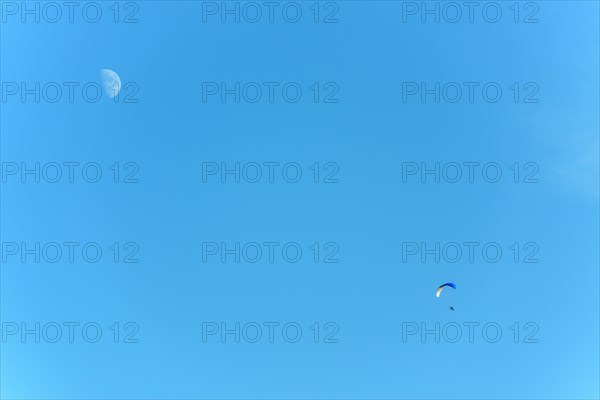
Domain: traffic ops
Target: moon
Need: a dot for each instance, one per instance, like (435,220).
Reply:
(111,82)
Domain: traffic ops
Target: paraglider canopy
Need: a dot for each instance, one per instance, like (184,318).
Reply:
(439,290)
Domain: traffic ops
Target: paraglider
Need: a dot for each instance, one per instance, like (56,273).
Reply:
(439,290)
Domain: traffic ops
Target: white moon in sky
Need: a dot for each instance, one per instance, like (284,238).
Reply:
(111,82)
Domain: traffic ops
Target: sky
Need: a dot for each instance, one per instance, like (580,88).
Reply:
(266,209)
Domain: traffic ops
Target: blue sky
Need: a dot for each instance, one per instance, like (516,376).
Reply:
(163,128)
